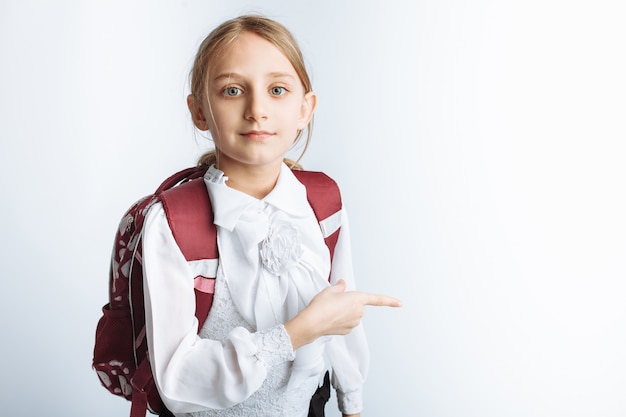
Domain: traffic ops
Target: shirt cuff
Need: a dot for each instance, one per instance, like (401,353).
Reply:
(350,402)
(274,346)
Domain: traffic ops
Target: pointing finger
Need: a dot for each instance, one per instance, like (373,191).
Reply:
(379,300)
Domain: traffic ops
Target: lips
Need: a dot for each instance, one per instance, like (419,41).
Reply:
(257,134)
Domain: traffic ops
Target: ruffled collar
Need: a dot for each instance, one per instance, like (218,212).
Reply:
(289,195)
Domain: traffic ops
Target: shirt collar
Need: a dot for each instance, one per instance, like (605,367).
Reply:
(289,195)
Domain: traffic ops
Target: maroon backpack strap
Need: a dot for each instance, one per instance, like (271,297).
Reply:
(141,380)
(325,198)
(180,176)
(193,229)
(195,235)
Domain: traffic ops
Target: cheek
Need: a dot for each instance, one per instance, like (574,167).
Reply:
(290,112)
(218,116)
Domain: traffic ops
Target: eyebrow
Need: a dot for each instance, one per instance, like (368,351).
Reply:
(234,75)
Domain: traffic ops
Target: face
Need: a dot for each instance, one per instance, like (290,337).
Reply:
(256,104)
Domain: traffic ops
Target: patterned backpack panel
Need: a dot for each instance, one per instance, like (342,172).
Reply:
(120,335)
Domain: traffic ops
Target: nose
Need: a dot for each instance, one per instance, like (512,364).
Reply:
(256,106)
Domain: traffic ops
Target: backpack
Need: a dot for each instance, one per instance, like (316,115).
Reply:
(120,353)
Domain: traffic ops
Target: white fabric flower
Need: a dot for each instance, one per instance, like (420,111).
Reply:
(282,248)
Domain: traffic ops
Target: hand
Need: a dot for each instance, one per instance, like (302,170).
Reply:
(338,312)
(334,311)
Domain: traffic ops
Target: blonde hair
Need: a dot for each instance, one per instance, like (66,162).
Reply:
(222,36)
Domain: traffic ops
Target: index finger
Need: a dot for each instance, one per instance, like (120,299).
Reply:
(379,300)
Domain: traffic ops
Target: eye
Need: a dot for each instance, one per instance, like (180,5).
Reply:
(232,91)
(278,91)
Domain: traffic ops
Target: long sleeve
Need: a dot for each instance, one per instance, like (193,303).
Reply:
(350,360)
(191,373)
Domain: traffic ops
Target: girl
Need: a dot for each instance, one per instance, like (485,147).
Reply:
(268,338)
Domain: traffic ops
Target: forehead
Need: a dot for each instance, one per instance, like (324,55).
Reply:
(251,55)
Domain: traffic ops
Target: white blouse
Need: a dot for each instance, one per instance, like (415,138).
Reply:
(273,261)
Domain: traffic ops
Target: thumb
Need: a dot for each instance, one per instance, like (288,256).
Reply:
(340,286)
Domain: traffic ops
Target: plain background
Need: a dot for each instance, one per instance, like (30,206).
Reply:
(480,146)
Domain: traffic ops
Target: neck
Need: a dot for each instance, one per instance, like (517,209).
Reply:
(256,181)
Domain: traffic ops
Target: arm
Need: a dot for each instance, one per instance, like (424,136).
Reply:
(191,373)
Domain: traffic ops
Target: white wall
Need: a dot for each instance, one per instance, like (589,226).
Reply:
(480,146)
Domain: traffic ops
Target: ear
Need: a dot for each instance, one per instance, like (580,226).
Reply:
(197,113)
(308,108)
